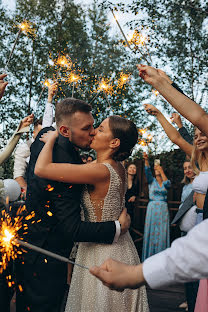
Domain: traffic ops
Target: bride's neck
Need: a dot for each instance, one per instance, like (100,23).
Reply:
(103,156)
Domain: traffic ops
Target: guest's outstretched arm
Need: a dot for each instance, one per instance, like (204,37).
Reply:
(186,107)
(48,113)
(3,84)
(23,127)
(171,131)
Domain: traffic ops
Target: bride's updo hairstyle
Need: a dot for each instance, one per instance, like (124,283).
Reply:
(126,131)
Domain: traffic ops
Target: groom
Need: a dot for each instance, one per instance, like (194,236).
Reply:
(57,205)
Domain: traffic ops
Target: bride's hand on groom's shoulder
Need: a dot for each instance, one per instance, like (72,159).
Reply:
(49,136)
(124,221)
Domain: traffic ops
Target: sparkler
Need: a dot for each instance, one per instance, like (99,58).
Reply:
(47,253)
(104,87)
(64,61)
(137,39)
(9,230)
(124,79)
(126,40)
(45,84)
(10,240)
(144,141)
(96,95)
(73,79)
(23,27)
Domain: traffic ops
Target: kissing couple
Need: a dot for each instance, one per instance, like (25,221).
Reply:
(82,203)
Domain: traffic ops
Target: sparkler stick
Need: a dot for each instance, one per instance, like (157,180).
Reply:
(26,27)
(47,253)
(95,97)
(12,51)
(121,30)
(41,93)
(132,88)
(147,51)
(73,89)
(107,99)
(46,84)
(126,40)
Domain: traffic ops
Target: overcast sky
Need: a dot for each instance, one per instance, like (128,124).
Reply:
(123,18)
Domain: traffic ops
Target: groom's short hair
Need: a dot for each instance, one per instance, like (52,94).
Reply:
(69,106)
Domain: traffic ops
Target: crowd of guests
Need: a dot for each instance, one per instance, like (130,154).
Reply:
(160,266)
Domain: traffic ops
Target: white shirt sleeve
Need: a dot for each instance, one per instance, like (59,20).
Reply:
(48,115)
(21,155)
(186,260)
(118,231)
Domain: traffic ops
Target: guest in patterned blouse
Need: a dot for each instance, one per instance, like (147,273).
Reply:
(156,231)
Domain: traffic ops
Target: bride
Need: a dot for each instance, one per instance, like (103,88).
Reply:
(103,199)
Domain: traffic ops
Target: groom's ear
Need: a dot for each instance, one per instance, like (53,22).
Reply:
(65,131)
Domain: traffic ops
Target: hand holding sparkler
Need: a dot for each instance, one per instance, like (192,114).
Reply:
(164,75)
(146,160)
(3,84)
(52,90)
(149,74)
(27,121)
(151,110)
(175,117)
(46,83)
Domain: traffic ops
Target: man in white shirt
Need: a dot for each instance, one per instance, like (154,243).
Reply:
(185,261)
(22,153)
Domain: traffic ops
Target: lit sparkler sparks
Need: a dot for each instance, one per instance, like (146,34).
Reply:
(8,230)
(142,131)
(63,61)
(25,27)
(126,40)
(139,39)
(10,240)
(106,87)
(73,78)
(145,138)
(155,92)
(47,84)
(124,79)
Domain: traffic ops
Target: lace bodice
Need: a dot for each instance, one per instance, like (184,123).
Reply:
(111,205)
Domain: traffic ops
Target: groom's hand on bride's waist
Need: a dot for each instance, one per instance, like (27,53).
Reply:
(124,221)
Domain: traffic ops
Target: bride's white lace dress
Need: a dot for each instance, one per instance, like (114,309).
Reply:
(87,293)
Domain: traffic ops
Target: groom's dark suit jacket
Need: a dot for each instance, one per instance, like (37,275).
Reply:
(57,205)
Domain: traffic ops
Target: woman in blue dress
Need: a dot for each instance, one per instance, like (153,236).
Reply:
(157,227)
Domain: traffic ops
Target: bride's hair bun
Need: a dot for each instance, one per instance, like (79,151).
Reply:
(121,156)
(125,130)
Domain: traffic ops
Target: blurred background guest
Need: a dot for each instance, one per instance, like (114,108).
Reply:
(157,228)
(89,158)
(132,190)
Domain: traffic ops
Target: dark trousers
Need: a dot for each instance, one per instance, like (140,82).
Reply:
(43,287)
(5,294)
(191,294)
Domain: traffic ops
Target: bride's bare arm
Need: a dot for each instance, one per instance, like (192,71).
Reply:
(70,173)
